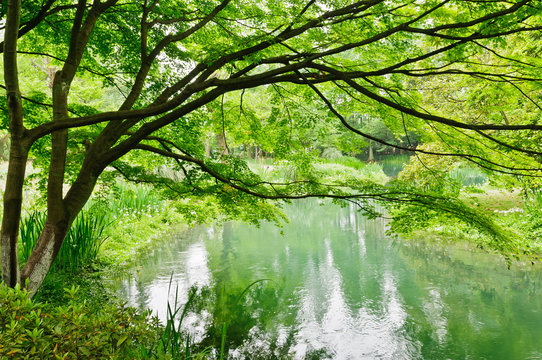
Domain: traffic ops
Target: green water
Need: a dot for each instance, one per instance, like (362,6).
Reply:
(392,164)
(338,288)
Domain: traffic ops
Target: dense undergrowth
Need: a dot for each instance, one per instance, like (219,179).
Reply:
(111,231)
(74,330)
(86,320)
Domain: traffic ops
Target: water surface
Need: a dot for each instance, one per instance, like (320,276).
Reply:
(334,286)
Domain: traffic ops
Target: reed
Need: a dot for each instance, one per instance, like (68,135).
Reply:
(31,226)
(173,343)
(80,247)
(82,243)
(133,199)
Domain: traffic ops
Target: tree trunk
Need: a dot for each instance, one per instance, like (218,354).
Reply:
(208,147)
(43,255)
(58,221)
(18,154)
(371,154)
(59,218)
(13,198)
(221,144)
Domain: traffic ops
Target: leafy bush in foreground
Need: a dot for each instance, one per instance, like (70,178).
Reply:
(30,330)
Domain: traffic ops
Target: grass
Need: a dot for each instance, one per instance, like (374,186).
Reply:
(349,161)
(134,233)
(30,229)
(137,217)
(126,198)
(109,233)
(81,246)
(82,243)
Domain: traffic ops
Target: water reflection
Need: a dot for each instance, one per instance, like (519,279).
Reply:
(167,274)
(336,287)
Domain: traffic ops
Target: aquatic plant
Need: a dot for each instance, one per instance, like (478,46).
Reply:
(172,342)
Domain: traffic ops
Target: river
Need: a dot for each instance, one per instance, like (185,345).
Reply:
(331,285)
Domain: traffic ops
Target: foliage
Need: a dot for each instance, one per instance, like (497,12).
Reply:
(423,209)
(432,173)
(90,283)
(32,330)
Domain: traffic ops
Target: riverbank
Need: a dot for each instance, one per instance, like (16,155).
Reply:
(75,315)
(511,212)
(129,238)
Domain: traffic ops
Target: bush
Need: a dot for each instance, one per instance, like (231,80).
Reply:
(31,330)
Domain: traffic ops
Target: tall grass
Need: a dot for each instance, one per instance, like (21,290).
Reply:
(126,200)
(173,343)
(134,198)
(31,226)
(82,243)
(80,247)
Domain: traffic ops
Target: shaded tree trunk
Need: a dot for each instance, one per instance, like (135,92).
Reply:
(208,147)
(61,211)
(13,198)
(222,145)
(18,155)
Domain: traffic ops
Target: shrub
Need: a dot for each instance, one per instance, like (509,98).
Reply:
(31,330)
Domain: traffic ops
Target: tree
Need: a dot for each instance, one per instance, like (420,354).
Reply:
(173,61)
